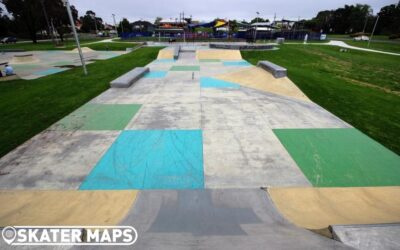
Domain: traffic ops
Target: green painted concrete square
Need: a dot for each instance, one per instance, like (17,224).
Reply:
(99,117)
(341,157)
(185,68)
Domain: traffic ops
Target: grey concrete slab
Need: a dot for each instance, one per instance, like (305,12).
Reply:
(248,157)
(368,237)
(216,219)
(161,116)
(54,160)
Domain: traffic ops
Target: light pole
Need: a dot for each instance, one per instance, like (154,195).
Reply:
(47,20)
(71,19)
(95,22)
(373,31)
(115,24)
(255,33)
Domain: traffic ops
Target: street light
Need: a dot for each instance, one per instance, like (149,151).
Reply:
(115,24)
(71,19)
(95,22)
(373,31)
(255,33)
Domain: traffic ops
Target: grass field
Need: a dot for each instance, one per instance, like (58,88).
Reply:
(69,46)
(377,45)
(361,88)
(28,107)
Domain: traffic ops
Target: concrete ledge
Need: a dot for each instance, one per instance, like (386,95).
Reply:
(242,46)
(177,49)
(276,70)
(372,236)
(126,80)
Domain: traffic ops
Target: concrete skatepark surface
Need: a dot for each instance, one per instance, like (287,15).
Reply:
(43,63)
(189,145)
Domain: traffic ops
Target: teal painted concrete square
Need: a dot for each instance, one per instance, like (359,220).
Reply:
(50,71)
(156,74)
(99,117)
(237,63)
(208,82)
(341,157)
(185,68)
(150,159)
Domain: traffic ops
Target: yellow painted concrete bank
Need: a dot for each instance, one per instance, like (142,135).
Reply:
(257,78)
(318,208)
(166,54)
(69,208)
(218,54)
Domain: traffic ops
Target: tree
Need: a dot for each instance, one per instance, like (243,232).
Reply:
(27,13)
(389,20)
(124,26)
(157,21)
(28,16)
(90,22)
(349,19)
(259,20)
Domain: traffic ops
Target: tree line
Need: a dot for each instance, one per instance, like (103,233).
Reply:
(28,18)
(356,18)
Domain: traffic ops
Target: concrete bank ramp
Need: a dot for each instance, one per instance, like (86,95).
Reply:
(167,53)
(318,208)
(369,237)
(216,219)
(218,54)
(24,59)
(84,50)
(257,78)
(52,208)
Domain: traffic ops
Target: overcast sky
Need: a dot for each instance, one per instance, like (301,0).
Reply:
(207,10)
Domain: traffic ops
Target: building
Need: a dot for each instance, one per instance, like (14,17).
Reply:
(143,27)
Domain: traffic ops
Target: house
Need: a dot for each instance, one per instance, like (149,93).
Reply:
(142,26)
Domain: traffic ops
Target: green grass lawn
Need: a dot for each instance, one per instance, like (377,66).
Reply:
(111,46)
(361,88)
(29,107)
(69,46)
(383,46)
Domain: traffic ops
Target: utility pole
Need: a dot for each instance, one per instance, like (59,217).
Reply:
(373,31)
(71,19)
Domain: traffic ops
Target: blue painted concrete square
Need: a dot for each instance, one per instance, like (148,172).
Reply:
(150,159)
(236,63)
(50,71)
(209,82)
(156,74)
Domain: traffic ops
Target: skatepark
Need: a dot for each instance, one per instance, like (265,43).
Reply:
(205,151)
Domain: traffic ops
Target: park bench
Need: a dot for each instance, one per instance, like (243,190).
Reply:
(276,70)
(126,80)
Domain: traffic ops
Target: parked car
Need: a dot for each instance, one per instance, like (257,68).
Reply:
(361,38)
(9,39)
